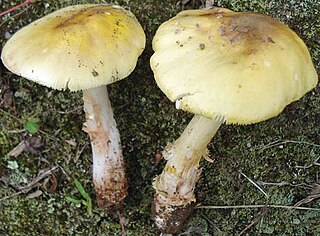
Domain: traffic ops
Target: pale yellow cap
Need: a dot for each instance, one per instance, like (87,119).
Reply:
(77,47)
(240,67)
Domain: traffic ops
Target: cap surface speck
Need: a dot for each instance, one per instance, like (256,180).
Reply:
(77,47)
(244,67)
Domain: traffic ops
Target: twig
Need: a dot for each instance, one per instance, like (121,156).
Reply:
(66,174)
(211,222)
(21,122)
(259,206)
(16,131)
(122,224)
(42,175)
(49,136)
(315,163)
(17,150)
(10,196)
(308,199)
(284,183)
(255,184)
(70,111)
(26,2)
(279,142)
(79,152)
(12,116)
(21,12)
(255,221)
(28,187)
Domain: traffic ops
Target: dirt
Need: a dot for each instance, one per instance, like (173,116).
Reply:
(278,155)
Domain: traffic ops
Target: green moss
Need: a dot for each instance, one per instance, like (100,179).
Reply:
(147,122)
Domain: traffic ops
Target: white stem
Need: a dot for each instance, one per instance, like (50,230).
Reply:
(108,164)
(174,197)
(178,179)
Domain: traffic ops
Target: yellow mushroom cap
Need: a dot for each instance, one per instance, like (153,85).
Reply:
(77,47)
(240,67)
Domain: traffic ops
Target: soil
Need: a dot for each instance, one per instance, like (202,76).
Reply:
(272,162)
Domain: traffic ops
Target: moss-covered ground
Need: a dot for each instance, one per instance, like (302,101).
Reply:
(268,153)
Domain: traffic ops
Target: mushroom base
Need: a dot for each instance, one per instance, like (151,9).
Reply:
(109,177)
(113,193)
(174,199)
(170,219)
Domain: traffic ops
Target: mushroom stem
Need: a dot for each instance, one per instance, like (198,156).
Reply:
(174,197)
(108,165)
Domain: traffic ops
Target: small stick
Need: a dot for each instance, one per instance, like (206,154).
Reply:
(18,14)
(16,7)
(10,196)
(38,178)
(71,111)
(259,206)
(255,184)
(315,163)
(255,221)
(211,222)
(122,224)
(12,116)
(284,183)
(308,199)
(20,121)
(279,142)
(66,174)
(28,187)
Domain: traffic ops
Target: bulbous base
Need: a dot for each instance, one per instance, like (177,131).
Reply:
(111,203)
(111,194)
(170,219)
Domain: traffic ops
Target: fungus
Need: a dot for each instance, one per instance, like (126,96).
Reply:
(250,68)
(84,47)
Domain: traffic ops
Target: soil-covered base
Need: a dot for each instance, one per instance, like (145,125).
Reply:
(171,219)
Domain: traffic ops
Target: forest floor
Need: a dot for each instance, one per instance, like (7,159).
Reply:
(279,155)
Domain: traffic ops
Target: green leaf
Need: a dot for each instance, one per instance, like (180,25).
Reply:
(87,199)
(84,202)
(89,207)
(73,200)
(31,125)
(81,190)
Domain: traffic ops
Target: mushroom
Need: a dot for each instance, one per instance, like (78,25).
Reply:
(84,47)
(225,67)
